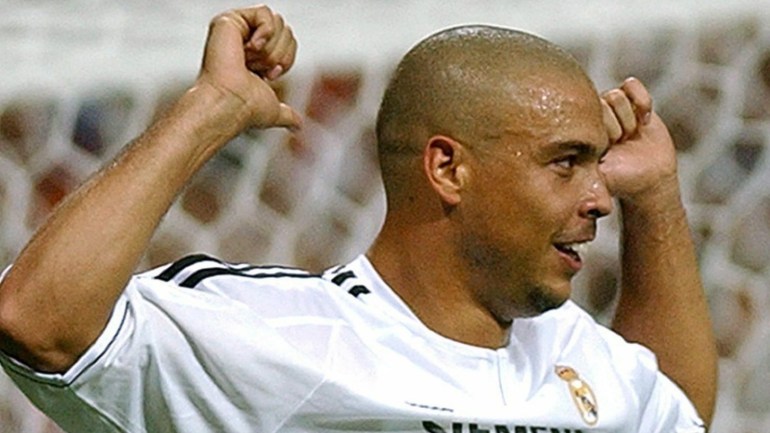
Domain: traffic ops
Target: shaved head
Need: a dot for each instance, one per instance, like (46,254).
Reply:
(462,82)
(489,142)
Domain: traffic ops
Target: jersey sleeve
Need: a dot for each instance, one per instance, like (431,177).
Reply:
(669,410)
(664,407)
(174,359)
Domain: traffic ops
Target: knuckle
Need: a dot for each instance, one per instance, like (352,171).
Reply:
(262,9)
(267,28)
(218,19)
(614,96)
(227,18)
(631,80)
(289,57)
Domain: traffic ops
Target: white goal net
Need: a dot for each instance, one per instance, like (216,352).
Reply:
(80,78)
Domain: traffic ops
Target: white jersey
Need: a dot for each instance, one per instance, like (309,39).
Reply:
(205,346)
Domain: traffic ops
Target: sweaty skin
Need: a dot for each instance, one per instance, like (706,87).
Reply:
(472,149)
(518,196)
(660,278)
(58,295)
(490,144)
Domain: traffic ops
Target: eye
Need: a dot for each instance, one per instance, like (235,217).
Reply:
(565,163)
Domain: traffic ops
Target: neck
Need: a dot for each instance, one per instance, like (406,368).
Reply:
(422,265)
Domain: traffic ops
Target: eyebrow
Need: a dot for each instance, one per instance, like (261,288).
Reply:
(581,147)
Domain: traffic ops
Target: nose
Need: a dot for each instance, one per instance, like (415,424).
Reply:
(597,202)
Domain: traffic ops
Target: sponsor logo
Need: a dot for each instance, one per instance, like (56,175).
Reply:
(458,427)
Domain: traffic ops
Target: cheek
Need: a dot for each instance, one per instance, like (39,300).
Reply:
(518,205)
(536,205)
(518,224)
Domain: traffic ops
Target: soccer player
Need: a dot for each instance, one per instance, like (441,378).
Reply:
(498,158)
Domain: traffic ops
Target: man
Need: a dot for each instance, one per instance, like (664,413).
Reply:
(498,158)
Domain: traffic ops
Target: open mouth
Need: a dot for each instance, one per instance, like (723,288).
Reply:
(572,252)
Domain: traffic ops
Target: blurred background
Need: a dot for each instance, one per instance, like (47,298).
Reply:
(80,78)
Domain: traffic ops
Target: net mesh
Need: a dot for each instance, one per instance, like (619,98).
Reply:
(81,78)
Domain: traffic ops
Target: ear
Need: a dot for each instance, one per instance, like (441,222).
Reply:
(444,162)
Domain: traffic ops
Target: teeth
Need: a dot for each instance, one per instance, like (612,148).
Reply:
(578,247)
(581,248)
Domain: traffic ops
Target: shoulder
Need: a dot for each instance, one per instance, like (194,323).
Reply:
(623,353)
(270,290)
(200,271)
(619,371)
(560,324)
(570,331)
(570,321)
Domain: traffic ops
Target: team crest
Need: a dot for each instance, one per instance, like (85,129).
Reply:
(581,393)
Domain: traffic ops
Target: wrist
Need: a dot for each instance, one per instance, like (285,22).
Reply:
(660,206)
(214,110)
(194,128)
(665,194)
(655,222)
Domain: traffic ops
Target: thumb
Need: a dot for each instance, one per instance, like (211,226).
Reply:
(288,118)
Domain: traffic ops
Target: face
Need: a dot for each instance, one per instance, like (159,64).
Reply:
(533,199)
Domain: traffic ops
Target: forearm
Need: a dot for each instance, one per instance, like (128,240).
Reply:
(59,293)
(662,303)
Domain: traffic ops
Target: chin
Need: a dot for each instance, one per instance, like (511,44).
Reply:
(542,299)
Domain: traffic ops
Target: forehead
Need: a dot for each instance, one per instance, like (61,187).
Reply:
(547,110)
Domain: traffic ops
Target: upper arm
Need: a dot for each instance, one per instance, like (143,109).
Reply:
(173,359)
(52,339)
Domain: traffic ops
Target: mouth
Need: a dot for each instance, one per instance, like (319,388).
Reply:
(571,253)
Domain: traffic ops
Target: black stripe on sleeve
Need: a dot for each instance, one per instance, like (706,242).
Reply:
(341,278)
(358,290)
(178,266)
(201,275)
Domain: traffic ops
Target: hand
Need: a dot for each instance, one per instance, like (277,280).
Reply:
(245,49)
(641,161)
